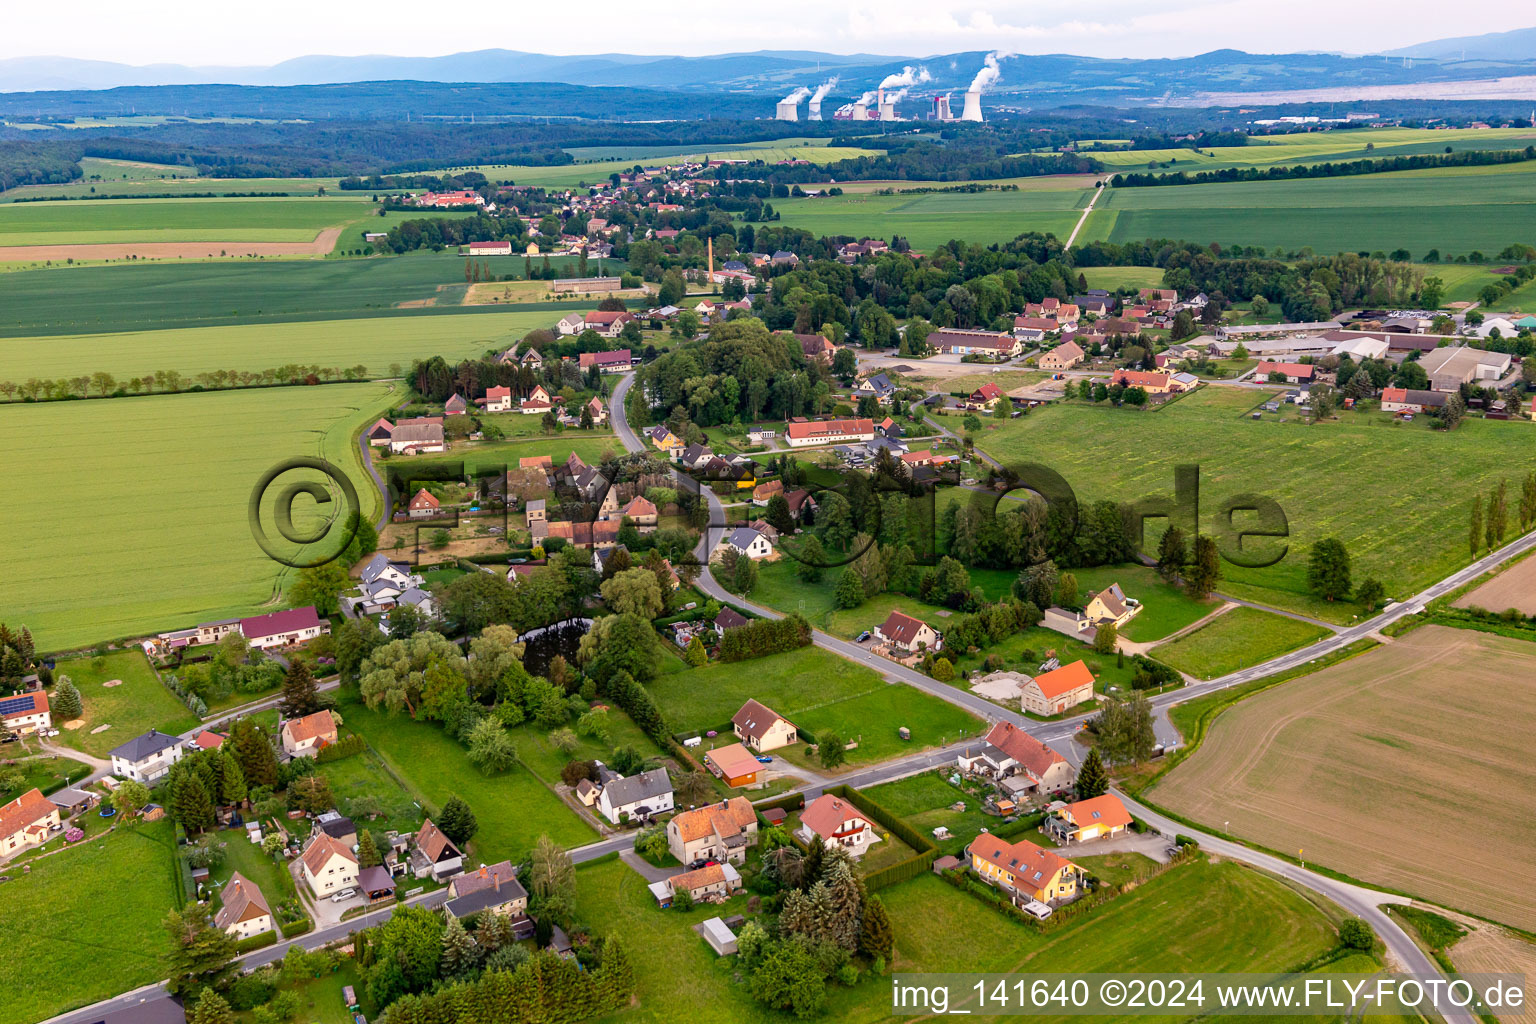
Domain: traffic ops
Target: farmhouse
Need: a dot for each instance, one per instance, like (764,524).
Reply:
(1062,357)
(244,911)
(455,405)
(734,764)
(762,729)
(25,713)
(498,399)
(1450,368)
(26,821)
(835,822)
(538,401)
(1110,605)
(493,889)
(306,736)
(817,347)
(1294,373)
(422,505)
(617,361)
(606,323)
(145,758)
(1009,751)
(486,249)
(976,343)
(721,831)
(327,866)
(1403,400)
(435,854)
(416,438)
(982,397)
(285,628)
(636,797)
(1058,690)
(908,634)
(641,511)
(1151,383)
(1097,818)
(378,435)
(1024,870)
(801,435)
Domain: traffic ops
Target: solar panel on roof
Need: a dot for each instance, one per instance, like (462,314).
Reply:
(11,705)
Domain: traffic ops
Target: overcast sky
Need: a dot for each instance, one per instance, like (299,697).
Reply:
(182,32)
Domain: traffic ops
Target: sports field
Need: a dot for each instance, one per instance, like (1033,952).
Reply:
(135,516)
(1412,738)
(1315,472)
(1455,210)
(931,219)
(377,344)
(178,220)
(170,293)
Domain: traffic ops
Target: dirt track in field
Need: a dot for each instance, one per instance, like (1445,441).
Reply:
(1409,767)
(1515,588)
(323,243)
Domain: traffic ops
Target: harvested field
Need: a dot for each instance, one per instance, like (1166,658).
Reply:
(1362,766)
(1515,588)
(1489,949)
(322,244)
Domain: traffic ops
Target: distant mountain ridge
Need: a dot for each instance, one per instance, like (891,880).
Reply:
(1516,44)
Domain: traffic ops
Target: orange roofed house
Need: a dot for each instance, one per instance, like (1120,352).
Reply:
(1009,752)
(1097,818)
(305,736)
(1025,871)
(903,631)
(1051,693)
(734,764)
(836,822)
(721,831)
(26,821)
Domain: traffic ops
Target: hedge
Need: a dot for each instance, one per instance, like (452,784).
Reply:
(266,938)
(345,747)
(298,926)
(763,637)
(901,870)
(787,802)
(1029,823)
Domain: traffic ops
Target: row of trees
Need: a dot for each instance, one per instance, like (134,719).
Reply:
(102,384)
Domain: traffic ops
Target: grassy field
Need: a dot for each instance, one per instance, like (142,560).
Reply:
(1165,608)
(1237,639)
(1314,472)
(366,775)
(75,912)
(932,219)
(1111,278)
(513,809)
(1381,738)
(141,703)
(381,345)
(1474,208)
(540,756)
(819,691)
(177,220)
(925,801)
(779,588)
(155,491)
(1320,147)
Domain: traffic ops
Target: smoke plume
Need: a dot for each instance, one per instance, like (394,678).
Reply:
(906,78)
(795,97)
(987,77)
(823,89)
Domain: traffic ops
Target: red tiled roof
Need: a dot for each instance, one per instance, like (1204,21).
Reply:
(1064,679)
(277,623)
(1024,748)
(25,810)
(901,628)
(826,814)
(830,428)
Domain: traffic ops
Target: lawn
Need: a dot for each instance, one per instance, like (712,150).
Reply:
(1455,210)
(365,775)
(925,800)
(872,720)
(513,809)
(778,587)
(92,914)
(45,773)
(1165,608)
(1312,471)
(931,219)
(544,760)
(1116,868)
(1236,639)
(141,703)
(155,490)
(267,873)
(177,220)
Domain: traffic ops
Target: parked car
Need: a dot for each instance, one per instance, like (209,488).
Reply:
(764,759)
(344,895)
(862,637)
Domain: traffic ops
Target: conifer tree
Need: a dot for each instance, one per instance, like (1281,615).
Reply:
(460,956)
(876,937)
(193,805)
(66,702)
(300,697)
(232,788)
(1092,779)
(368,850)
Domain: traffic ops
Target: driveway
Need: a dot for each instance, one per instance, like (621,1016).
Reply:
(647,870)
(1148,844)
(322,911)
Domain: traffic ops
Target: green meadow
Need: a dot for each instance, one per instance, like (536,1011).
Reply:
(137,516)
(1378,486)
(930,219)
(1319,147)
(177,220)
(596,163)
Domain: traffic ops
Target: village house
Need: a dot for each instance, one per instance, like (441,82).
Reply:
(338,826)
(283,629)
(1063,357)
(538,401)
(1294,373)
(816,347)
(1058,690)
(975,343)
(145,758)
(455,405)
(617,361)
(498,399)
(729,618)
(1151,383)
(1096,818)
(209,740)
(982,398)
(636,797)
(571,323)
(1110,605)
(641,511)
(712,883)
(378,435)
(327,866)
(878,387)
(599,411)
(1008,752)
(606,323)
(492,889)
(801,435)
(835,822)
(422,505)
(416,439)
(734,764)
(243,911)
(435,854)
(764,492)
(800,501)
(1403,400)
(25,713)
(1024,870)
(721,831)
(750,542)
(304,737)
(26,821)
(762,729)
(905,633)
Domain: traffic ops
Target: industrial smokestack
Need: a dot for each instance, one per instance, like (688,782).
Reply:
(972,111)
(820,94)
(941,108)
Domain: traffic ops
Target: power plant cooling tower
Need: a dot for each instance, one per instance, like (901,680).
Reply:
(888,110)
(813,111)
(861,111)
(787,112)
(972,111)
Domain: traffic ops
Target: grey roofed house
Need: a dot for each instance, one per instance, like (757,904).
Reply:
(696,453)
(145,746)
(743,536)
(489,896)
(729,618)
(415,597)
(888,443)
(376,567)
(335,825)
(634,788)
(417,433)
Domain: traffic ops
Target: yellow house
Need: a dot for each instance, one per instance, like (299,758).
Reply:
(1024,869)
(1110,605)
(1098,817)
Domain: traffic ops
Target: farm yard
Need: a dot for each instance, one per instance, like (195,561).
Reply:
(1387,738)
(151,494)
(139,702)
(1236,639)
(72,912)
(1515,588)
(1313,471)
